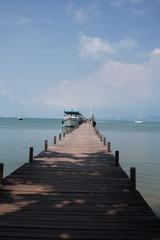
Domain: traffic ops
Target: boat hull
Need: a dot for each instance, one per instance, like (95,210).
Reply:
(70,123)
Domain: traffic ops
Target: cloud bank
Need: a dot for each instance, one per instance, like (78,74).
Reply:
(115,85)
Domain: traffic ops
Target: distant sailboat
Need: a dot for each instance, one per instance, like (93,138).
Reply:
(139,121)
(21,116)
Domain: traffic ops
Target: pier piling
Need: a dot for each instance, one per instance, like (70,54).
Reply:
(1,172)
(101,138)
(109,146)
(30,154)
(117,158)
(45,145)
(133,178)
(104,141)
(59,136)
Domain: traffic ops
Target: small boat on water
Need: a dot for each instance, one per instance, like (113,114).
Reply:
(21,115)
(20,118)
(138,121)
(72,118)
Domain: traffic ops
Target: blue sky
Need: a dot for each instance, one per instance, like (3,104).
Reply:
(99,54)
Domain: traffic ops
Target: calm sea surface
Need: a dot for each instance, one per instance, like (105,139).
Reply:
(138,146)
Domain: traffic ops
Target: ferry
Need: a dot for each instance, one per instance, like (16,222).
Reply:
(72,118)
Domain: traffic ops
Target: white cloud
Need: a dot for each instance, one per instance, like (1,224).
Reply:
(154,66)
(139,13)
(114,85)
(95,47)
(127,44)
(119,3)
(25,20)
(82,13)
(80,16)
(5,91)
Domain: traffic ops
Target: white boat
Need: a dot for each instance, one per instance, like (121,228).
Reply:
(20,118)
(72,118)
(21,115)
(138,121)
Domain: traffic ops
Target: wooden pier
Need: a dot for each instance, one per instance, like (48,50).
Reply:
(74,190)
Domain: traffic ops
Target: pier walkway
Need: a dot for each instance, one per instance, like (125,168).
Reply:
(74,191)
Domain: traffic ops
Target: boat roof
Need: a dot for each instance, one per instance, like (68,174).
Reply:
(72,112)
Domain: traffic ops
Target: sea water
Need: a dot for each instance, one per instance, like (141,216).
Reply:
(138,146)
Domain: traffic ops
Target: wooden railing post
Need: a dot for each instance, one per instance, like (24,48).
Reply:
(133,178)
(45,145)
(109,146)
(64,134)
(31,154)
(101,138)
(117,158)
(104,140)
(54,139)
(59,136)
(1,172)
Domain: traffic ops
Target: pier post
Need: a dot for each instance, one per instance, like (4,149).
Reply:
(54,139)
(117,158)
(133,178)
(64,134)
(59,136)
(45,145)
(101,138)
(104,140)
(109,146)
(1,172)
(31,154)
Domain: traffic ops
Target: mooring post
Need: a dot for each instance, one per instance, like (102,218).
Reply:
(54,139)
(99,135)
(104,140)
(59,136)
(109,146)
(133,178)
(117,158)
(45,145)
(31,154)
(1,172)
(101,138)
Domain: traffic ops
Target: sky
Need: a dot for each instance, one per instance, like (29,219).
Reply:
(102,55)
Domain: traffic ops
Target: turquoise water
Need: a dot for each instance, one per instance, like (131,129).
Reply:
(16,137)
(138,146)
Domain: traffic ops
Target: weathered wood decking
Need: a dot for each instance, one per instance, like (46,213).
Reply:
(74,191)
